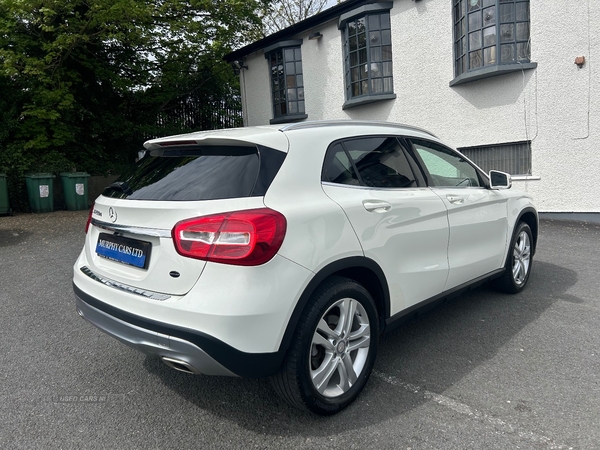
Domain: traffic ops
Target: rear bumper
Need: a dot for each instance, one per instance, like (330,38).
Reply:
(181,348)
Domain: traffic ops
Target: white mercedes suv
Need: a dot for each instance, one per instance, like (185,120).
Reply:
(285,251)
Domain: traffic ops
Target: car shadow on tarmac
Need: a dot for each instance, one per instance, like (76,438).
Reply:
(434,350)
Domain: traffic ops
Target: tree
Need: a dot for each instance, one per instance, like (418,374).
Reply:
(281,14)
(82,81)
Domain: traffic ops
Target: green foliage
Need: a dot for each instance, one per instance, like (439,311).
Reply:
(82,82)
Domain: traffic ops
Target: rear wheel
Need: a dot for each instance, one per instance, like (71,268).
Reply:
(518,261)
(334,349)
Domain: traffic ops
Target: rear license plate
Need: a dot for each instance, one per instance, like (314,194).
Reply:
(124,250)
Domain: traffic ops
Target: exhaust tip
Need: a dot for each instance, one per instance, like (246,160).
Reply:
(179,365)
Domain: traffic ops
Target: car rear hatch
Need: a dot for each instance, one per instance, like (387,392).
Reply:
(129,237)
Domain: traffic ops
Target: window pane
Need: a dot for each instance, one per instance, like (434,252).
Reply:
(508,53)
(488,3)
(374,22)
(291,94)
(489,36)
(337,167)
(507,32)
(290,80)
(353,59)
(523,51)
(364,72)
(387,69)
(522,31)
(446,167)
(355,89)
(386,37)
(489,56)
(507,13)
(386,52)
(475,40)
(360,25)
(376,86)
(475,20)
(388,84)
(523,11)
(381,162)
(375,38)
(300,92)
(299,67)
(289,54)
(475,59)
(354,74)
(297,54)
(362,40)
(474,4)
(362,56)
(301,109)
(489,16)
(352,28)
(375,54)
(289,68)
(353,42)
(299,80)
(385,21)
(293,107)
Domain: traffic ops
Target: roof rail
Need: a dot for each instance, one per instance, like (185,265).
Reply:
(333,123)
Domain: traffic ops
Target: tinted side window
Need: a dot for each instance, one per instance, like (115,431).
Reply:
(197,173)
(446,167)
(338,168)
(380,162)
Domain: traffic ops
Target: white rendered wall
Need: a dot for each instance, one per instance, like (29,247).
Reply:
(556,105)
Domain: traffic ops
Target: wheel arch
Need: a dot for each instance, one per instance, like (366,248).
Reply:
(530,217)
(363,270)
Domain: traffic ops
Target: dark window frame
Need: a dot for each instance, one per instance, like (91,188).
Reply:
(367,44)
(490,38)
(283,54)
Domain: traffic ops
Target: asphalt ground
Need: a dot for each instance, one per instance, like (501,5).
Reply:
(484,371)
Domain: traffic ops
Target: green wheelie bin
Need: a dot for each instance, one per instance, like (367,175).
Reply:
(4,205)
(40,191)
(75,188)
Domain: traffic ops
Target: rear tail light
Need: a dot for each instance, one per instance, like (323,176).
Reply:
(89,221)
(244,238)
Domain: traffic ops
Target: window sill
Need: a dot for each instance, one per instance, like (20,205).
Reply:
(366,99)
(491,71)
(288,118)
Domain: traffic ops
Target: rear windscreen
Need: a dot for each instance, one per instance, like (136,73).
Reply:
(193,173)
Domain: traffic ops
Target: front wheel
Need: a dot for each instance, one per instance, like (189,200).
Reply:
(334,349)
(518,261)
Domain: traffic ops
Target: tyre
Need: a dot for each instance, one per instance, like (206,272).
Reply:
(518,262)
(333,351)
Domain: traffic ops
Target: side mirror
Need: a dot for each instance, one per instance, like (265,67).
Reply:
(500,180)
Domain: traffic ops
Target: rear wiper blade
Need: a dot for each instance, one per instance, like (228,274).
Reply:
(120,186)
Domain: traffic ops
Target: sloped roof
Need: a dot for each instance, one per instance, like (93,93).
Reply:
(293,30)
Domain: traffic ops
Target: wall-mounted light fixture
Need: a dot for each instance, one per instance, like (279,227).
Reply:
(315,35)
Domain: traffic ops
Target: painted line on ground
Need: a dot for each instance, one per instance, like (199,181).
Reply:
(470,412)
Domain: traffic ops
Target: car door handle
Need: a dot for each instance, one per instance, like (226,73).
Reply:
(377,206)
(455,199)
